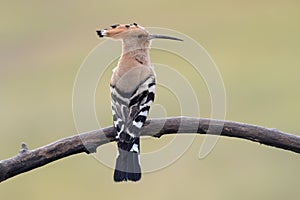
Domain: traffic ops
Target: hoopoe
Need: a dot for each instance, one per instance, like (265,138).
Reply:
(132,90)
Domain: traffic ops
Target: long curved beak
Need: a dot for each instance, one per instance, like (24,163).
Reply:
(155,36)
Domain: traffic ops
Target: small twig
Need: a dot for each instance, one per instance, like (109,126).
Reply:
(88,142)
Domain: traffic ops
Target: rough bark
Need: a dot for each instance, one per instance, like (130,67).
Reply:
(88,142)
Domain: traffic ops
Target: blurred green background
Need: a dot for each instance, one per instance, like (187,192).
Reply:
(255,44)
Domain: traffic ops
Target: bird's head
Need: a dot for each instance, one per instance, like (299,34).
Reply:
(132,35)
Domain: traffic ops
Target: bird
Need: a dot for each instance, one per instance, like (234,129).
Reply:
(132,89)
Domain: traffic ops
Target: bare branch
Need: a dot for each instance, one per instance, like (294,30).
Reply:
(88,142)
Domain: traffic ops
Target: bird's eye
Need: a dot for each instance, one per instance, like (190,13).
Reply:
(140,36)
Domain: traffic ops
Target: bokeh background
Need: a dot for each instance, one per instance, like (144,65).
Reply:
(255,44)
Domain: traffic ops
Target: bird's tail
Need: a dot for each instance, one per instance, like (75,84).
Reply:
(128,164)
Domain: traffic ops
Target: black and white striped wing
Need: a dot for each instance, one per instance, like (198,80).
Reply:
(130,111)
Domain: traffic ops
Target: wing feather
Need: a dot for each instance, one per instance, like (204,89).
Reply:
(130,114)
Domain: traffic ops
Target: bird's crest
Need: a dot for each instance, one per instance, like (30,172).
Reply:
(118,31)
(131,31)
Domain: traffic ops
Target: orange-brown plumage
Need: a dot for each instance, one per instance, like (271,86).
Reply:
(132,90)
